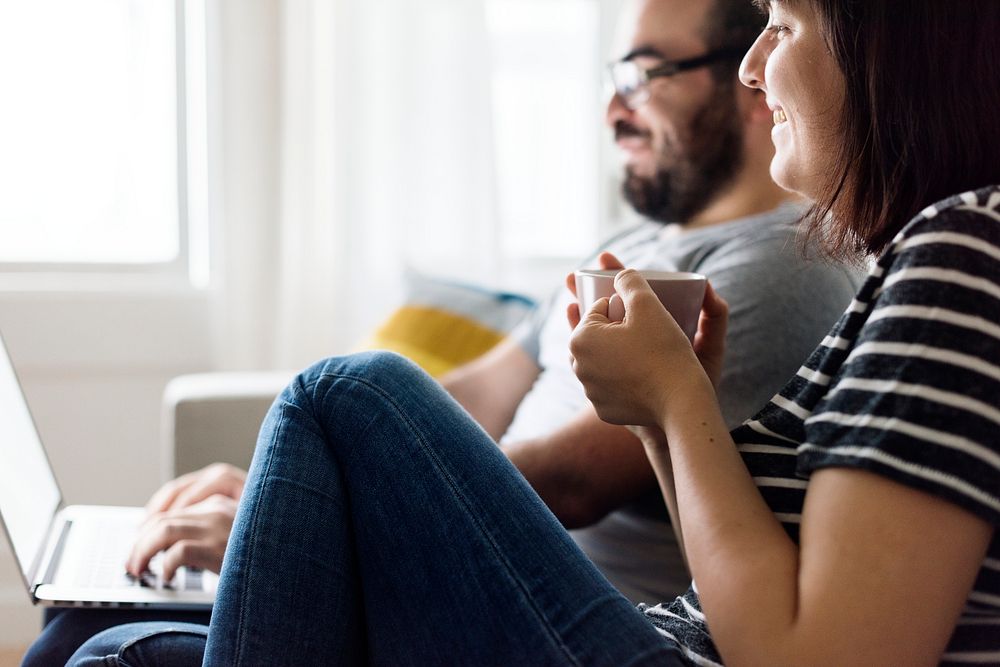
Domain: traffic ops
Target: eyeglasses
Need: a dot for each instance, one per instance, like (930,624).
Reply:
(631,82)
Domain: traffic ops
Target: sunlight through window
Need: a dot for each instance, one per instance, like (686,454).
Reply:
(89,132)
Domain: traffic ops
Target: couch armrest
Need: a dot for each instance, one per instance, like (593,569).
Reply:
(209,417)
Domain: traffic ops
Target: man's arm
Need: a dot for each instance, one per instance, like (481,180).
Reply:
(584,469)
(491,387)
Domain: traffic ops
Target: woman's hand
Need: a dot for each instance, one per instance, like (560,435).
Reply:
(709,341)
(607,261)
(633,370)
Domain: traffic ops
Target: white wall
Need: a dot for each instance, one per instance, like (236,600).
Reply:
(93,366)
(94,355)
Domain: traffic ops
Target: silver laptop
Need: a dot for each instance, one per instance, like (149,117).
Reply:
(75,555)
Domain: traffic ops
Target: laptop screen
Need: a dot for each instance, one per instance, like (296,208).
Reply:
(29,495)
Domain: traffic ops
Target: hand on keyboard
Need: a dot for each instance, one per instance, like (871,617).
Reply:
(193,536)
(194,487)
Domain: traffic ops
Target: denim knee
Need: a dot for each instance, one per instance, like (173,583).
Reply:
(144,644)
(380,368)
(383,372)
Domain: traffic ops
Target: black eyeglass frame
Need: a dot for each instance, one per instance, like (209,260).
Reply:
(665,69)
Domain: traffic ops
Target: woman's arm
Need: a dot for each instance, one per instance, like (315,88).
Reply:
(655,443)
(880,576)
(882,570)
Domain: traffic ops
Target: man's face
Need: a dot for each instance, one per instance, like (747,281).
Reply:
(684,145)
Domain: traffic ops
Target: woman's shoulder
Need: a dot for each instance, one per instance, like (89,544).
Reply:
(978,208)
(955,231)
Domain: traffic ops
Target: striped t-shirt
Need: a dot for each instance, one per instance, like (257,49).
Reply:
(907,385)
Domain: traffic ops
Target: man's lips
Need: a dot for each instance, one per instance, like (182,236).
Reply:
(632,143)
(627,134)
(631,139)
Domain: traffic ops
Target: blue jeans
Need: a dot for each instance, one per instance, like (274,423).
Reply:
(380,524)
(67,629)
(150,644)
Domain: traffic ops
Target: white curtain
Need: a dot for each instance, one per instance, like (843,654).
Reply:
(353,138)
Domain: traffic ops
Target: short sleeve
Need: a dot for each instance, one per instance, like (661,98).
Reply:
(917,398)
(527,334)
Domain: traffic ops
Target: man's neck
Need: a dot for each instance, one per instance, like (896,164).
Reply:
(741,200)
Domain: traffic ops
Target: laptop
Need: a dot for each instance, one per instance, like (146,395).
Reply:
(74,556)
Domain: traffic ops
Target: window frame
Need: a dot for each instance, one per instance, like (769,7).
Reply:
(190,267)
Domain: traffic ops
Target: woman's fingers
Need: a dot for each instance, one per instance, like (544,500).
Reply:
(616,309)
(573,314)
(571,282)
(710,341)
(627,365)
(633,289)
(607,261)
(598,312)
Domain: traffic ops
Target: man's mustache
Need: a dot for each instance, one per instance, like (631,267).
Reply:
(625,130)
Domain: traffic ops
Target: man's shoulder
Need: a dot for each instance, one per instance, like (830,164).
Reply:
(761,238)
(636,234)
(775,249)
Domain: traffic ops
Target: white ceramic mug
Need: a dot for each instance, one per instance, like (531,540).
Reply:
(680,293)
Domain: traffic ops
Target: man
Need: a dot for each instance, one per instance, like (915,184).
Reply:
(697,151)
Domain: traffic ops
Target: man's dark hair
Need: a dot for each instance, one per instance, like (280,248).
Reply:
(731,24)
(920,115)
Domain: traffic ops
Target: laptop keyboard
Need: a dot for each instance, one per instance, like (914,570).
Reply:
(102,563)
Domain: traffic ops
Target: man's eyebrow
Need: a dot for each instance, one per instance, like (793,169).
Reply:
(645,50)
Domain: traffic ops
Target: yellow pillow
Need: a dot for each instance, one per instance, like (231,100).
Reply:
(446,324)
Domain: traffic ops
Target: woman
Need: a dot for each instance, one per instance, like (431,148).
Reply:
(852,523)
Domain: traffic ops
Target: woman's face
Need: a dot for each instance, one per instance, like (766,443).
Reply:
(791,63)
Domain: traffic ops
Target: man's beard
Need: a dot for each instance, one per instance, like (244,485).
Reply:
(700,167)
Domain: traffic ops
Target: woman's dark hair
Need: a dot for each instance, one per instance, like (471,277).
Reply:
(921,116)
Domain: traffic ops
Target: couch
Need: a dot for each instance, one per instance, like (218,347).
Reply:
(209,417)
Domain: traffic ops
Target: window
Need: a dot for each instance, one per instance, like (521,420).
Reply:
(547,124)
(97,133)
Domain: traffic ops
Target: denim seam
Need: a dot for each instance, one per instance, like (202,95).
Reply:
(554,634)
(241,629)
(132,641)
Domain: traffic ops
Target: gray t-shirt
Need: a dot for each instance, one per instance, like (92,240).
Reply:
(780,306)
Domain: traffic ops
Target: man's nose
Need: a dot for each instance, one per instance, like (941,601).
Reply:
(617,111)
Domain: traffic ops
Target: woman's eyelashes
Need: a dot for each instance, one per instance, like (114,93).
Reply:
(776,29)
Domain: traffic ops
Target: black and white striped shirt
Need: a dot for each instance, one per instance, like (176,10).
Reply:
(907,385)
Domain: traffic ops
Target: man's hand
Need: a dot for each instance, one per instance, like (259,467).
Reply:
(215,479)
(194,536)
(189,518)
